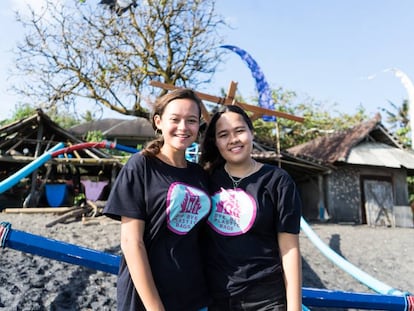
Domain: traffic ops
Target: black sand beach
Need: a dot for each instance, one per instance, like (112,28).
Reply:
(30,282)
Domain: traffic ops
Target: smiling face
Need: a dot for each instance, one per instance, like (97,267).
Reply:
(179,124)
(234,139)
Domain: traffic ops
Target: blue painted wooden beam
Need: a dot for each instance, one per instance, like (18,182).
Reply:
(338,299)
(62,251)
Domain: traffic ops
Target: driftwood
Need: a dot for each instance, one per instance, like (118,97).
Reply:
(87,210)
(74,213)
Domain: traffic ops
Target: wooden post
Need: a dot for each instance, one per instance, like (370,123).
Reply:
(231,94)
(259,111)
(165,86)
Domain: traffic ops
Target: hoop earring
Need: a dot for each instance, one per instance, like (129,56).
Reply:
(158,132)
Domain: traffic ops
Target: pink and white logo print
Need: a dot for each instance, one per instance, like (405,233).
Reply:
(186,206)
(233,212)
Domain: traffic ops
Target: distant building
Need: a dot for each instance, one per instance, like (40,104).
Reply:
(367,179)
(134,132)
(22,141)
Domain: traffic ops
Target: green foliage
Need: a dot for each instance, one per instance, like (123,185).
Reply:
(397,116)
(88,116)
(319,120)
(94,136)
(22,111)
(97,136)
(65,120)
(78,199)
(398,121)
(403,136)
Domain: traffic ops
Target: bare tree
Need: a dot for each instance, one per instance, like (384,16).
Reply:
(79,51)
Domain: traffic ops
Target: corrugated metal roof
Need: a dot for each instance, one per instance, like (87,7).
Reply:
(380,154)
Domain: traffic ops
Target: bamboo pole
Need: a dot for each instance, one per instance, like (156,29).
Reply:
(34,210)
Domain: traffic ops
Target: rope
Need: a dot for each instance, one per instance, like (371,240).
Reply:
(4,231)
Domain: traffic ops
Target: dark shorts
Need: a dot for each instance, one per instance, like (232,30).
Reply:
(261,298)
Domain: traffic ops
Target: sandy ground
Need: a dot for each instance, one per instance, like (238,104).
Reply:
(30,282)
(385,254)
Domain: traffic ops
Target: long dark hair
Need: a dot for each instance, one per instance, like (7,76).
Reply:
(210,157)
(153,147)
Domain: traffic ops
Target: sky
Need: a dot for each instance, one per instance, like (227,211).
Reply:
(336,52)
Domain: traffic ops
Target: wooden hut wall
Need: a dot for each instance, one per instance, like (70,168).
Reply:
(309,192)
(401,187)
(345,190)
(343,196)
(398,178)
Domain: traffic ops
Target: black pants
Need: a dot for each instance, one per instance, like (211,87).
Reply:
(261,298)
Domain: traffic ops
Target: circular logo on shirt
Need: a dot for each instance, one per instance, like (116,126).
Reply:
(186,206)
(233,212)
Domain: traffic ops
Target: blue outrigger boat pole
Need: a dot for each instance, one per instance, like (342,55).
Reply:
(58,250)
(364,301)
(106,262)
(16,177)
(50,248)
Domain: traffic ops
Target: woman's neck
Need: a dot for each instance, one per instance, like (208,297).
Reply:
(241,170)
(176,159)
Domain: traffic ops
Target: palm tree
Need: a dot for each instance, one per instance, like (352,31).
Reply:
(398,120)
(399,116)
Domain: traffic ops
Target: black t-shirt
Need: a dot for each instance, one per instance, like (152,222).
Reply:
(174,203)
(242,247)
